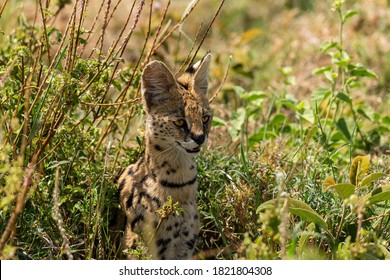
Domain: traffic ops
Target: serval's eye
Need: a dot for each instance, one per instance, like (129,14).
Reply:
(205,119)
(179,123)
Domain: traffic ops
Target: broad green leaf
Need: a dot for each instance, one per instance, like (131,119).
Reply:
(360,166)
(371,178)
(331,76)
(236,122)
(343,128)
(254,95)
(218,122)
(386,120)
(344,190)
(342,96)
(362,72)
(298,208)
(308,116)
(260,136)
(320,94)
(378,195)
(278,119)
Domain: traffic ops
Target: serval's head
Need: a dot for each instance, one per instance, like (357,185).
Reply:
(178,111)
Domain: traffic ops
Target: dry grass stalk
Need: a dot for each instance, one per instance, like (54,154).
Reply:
(58,218)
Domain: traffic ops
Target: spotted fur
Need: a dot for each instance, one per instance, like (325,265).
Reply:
(178,121)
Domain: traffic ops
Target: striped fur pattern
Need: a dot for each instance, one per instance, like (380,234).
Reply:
(178,121)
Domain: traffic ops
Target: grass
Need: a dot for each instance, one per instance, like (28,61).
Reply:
(304,101)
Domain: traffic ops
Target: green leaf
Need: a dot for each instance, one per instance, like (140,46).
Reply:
(349,14)
(261,135)
(327,45)
(278,119)
(342,96)
(379,194)
(362,113)
(218,122)
(343,128)
(386,120)
(322,70)
(239,90)
(330,75)
(298,208)
(320,94)
(254,95)
(367,180)
(363,72)
(344,190)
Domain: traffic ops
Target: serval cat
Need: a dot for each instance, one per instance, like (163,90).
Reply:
(178,121)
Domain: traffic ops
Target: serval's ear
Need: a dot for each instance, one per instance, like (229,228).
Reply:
(200,71)
(157,84)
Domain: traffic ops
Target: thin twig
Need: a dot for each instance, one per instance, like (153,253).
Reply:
(223,81)
(91,31)
(156,36)
(45,31)
(177,25)
(190,51)
(207,32)
(105,24)
(111,104)
(373,218)
(2,7)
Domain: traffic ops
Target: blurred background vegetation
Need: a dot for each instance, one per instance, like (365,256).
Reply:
(302,91)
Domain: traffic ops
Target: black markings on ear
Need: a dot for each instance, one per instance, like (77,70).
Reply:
(191,70)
